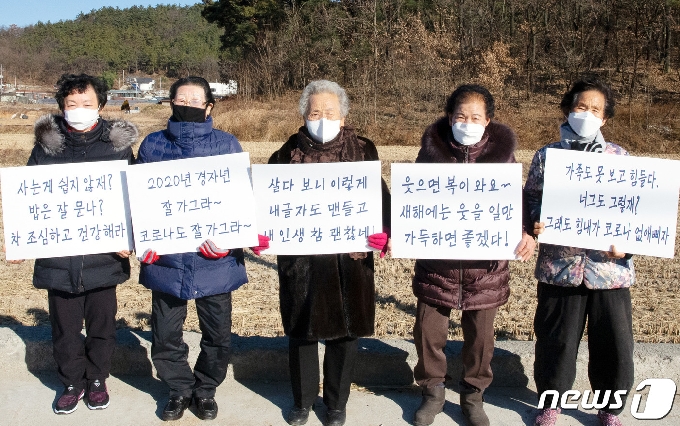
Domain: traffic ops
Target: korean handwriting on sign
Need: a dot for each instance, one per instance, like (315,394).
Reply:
(66,184)
(587,226)
(80,208)
(183,206)
(482,238)
(338,208)
(204,177)
(345,183)
(196,231)
(443,212)
(599,174)
(453,183)
(318,234)
(56,235)
(622,203)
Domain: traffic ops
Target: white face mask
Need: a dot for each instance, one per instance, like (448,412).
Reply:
(585,124)
(81,118)
(323,130)
(467,133)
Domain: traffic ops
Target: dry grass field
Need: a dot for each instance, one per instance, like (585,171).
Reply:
(655,296)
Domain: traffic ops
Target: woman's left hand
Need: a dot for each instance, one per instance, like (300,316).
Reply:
(381,241)
(211,251)
(615,254)
(525,248)
(124,254)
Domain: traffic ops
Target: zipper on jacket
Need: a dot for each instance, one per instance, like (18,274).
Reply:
(81,287)
(460,262)
(460,284)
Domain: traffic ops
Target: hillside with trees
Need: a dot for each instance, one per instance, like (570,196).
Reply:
(397,58)
(168,40)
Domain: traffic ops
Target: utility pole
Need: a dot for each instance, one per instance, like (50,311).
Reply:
(2,86)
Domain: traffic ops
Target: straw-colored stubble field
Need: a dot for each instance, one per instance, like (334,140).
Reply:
(255,310)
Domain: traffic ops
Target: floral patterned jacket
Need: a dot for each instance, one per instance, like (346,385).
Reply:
(572,266)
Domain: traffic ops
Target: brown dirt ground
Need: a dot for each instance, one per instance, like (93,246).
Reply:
(255,310)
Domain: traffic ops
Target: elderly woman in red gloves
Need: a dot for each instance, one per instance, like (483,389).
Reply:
(327,297)
(208,276)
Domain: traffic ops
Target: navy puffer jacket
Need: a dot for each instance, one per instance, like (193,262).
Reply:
(190,275)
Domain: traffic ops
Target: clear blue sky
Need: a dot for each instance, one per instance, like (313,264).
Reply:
(27,12)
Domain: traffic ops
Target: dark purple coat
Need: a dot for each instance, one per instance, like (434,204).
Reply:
(464,284)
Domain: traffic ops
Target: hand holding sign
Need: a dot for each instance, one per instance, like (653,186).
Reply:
(211,251)
(262,245)
(380,241)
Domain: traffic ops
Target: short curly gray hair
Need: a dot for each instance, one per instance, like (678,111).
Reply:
(324,86)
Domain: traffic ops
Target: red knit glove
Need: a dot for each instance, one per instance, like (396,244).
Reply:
(211,251)
(379,241)
(263,244)
(148,257)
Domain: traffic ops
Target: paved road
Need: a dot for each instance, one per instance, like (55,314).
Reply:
(26,398)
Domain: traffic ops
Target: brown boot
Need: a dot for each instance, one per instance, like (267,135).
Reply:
(431,405)
(472,404)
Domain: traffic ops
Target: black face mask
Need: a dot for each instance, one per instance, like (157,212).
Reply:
(189,114)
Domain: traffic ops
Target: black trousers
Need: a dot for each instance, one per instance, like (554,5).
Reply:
(169,353)
(338,361)
(559,323)
(81,360)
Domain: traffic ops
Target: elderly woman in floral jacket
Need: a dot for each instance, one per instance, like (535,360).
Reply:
(574,284)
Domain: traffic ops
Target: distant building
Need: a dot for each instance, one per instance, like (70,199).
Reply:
(143,84)
(124,94)
(221,90)
(8,96)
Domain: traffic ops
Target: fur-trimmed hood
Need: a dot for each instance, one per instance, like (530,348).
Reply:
(438,146)
(52,134)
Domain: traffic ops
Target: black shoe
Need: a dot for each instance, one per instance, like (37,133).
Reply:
(206,408)
(175,407)
(298,416)
(68,401)
(336,417)
(97,395)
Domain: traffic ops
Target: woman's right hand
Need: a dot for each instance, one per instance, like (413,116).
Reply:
(539,227)
(148,257)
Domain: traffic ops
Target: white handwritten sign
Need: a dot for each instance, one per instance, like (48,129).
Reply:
(595,200)
(318,208)
(456,211)
(65,210)
(178,204)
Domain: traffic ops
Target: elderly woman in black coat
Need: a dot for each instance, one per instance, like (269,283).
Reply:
(326,297)
(82,287)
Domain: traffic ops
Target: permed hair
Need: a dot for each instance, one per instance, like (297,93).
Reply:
(570,98)
(193,81)
(72,83)
(470,91)
(323,86)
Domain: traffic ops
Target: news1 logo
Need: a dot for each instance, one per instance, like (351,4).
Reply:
(658,403)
